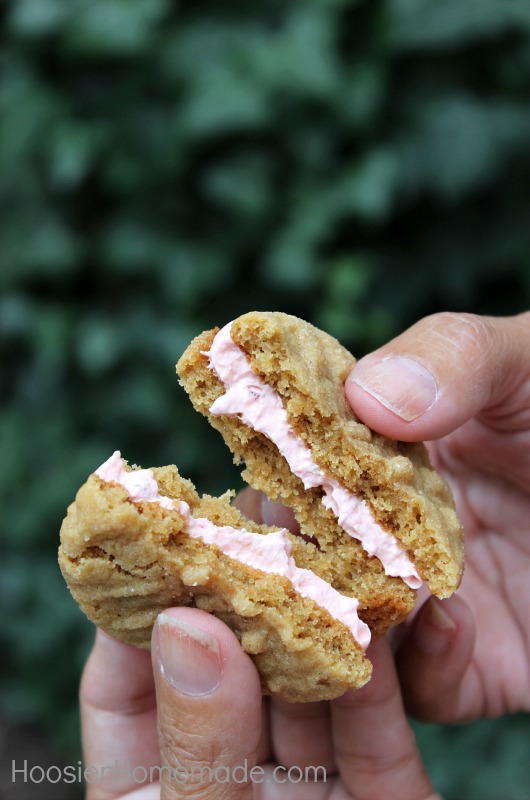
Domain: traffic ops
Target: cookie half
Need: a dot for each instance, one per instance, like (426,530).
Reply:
(135,542)
(379,519)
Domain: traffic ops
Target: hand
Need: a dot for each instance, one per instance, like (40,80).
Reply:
(464,382)
(202,692)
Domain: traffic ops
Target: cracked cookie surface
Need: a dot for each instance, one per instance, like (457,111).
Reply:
(126,561)
(406,495)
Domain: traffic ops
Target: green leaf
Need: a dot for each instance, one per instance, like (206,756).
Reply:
(241,184)
(359,97)
(44,247)
(99,343)
(368,188)
(459,143)
(300,58)
(27,108)
(430,23)
(114,27)
(223,100)
(73,150)
(38,17)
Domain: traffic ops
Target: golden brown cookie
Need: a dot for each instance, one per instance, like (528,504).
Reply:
(395,482)
(126,557)
(376,518)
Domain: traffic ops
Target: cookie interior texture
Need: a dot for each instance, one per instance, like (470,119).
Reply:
(307,367)
(126,561)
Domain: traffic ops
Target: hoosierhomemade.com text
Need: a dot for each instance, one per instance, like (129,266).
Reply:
(111,774)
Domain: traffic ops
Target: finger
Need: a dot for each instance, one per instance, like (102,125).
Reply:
(434,663)
(249,502)
(256,506)
(118,717)
(209,707)
(279,782)
(411,388)
(374,745)
(301,735)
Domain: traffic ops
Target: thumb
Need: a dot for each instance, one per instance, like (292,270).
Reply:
(439,373)
(209,705)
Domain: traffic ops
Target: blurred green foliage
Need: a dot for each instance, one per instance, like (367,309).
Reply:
(165,167)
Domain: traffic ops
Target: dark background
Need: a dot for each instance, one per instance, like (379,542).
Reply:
(167,166)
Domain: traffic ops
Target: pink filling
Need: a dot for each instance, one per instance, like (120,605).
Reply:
(272,554)
(140,483)
(260,407)
(269,553)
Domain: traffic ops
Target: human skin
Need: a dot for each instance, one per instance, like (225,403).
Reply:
(197,704)
(196,700)
(467,394)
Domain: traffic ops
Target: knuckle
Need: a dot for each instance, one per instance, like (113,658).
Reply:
(199,766)
(449,337)
(187,748)
(461,331)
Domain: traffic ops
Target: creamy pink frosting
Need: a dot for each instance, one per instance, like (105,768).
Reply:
(140,483)
(272,553)
(269,553)
(260,407)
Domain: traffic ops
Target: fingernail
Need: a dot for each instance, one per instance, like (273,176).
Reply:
(189,658)
(435,629)
(277,515)
(401,384)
